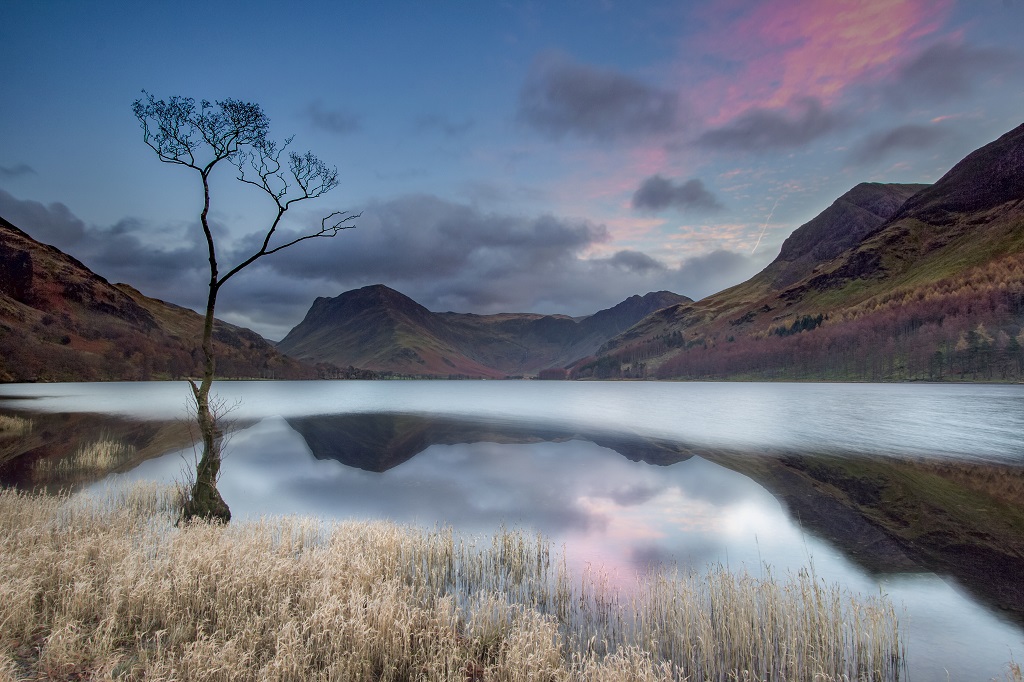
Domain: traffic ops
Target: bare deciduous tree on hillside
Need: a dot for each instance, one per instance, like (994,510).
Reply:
(200,138)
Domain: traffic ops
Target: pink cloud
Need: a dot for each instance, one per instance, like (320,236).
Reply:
(783,51)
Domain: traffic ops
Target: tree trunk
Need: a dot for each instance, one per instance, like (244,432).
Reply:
(205,500)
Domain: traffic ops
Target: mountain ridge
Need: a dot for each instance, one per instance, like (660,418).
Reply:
(378,328)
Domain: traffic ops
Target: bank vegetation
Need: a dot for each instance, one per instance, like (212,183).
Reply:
(111,587)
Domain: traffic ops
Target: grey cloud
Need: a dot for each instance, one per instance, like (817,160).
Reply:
(336,121)
(562,96)
(948,71)
(452,256)
(447,127)
(760,129)
(650,557)
(17,171)
(423,237)
(634,261)
(54,224)
(911,137)
(657,193)
(703,275)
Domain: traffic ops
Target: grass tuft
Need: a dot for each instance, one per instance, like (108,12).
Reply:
(108,586)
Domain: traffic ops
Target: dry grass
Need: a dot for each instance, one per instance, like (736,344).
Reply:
(11,425)
(99,457)
(109,587)
(1013,672)
(1004,482)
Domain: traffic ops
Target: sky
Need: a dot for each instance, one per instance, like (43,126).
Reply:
(551,157)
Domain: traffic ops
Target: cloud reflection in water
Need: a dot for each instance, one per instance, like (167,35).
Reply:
(478,475)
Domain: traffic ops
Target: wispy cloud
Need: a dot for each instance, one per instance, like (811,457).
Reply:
(780,51)
(338,121)
(16,171)
(948,71)
(911,137)
(562,96)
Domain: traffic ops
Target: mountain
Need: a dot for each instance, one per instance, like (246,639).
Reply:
(378,328)
(891,282)
(59,321)
(840,226)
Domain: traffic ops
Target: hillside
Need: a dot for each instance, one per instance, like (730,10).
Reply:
(891,282)
(59,321)
(377,328)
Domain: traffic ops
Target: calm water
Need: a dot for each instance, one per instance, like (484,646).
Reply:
(626,475)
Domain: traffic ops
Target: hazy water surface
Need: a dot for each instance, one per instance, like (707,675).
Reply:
(965,421)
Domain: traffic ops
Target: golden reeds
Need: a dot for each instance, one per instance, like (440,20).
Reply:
(110,587)
(99,457)
(12,425)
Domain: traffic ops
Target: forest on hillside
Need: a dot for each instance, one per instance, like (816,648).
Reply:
(969,327)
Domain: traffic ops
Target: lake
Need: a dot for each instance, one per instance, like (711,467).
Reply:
(913,490)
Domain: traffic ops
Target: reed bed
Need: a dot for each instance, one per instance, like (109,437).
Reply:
(109,587)
(99,457)
(12,425)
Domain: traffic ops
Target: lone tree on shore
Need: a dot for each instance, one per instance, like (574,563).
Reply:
(200,138)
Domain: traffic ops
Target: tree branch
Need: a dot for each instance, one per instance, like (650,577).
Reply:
(338,221)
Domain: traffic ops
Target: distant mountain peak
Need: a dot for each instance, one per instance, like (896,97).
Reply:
(378,328)
(846,222)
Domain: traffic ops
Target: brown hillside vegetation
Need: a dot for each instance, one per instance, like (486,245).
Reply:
(934,292)
(59,321)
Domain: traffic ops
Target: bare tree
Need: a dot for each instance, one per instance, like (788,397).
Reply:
(201,138)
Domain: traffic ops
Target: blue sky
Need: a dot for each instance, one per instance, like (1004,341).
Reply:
(548,157)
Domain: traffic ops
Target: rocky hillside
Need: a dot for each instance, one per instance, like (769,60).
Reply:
(378,328)
(59,321)
(892,282)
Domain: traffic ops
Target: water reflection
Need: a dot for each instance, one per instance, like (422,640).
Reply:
(382,441)
(47,453)
(597,494)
